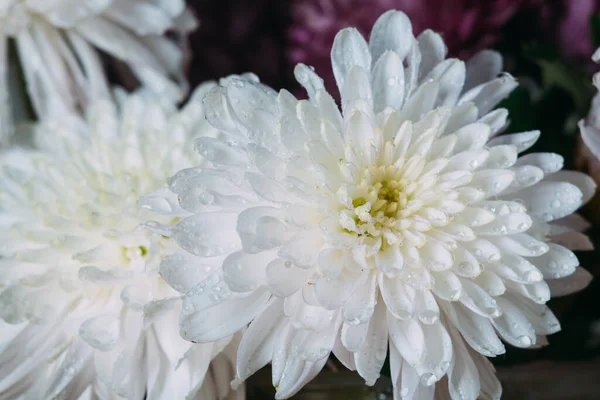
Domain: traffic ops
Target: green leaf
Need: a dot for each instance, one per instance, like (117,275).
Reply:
(577,84)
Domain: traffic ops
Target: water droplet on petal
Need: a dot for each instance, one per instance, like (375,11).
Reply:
(428,379)
(525,341)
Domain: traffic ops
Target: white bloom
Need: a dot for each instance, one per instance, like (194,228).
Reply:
(590,128)
(402,223)
(79,278)
(56,42)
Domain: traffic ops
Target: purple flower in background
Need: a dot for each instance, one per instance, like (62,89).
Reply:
(575,39)
(467,25)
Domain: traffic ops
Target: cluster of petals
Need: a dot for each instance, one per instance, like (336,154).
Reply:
(57,44)
(590,127)
(83,309)
(404,224)
(466,26)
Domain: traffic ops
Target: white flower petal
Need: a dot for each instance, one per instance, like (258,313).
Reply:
(525,176)
(388,82)
(219,113)
(360,306)
(539,292)
(438,354)
(307,77)
(330,262)
(389,261)
(450,74)
(584,182)
(513,326)
(353,336)
(426,307)
(392,31)
(371,356)
(258,229)
(490,282)
(506,224)
(408,338)
(220,153)
(356,93)
(463,377)
(522,141)
(224,319)
(501,156)
(433,51)
(516,269)
(284,278)
(421,102)
(467,160)
(183,271)
(207,234)
(547,162)
(483,67)
(551,200)
(466,265)
(446,285)
(349,49)
(478,300)
(539,315)
(343,355)
(475,329)
(244,272)
(492,181)
(332,293)
(557,262)
(490,388)
(302,249)
(497,120)
(436,256)
(101,332)
(487,95)
(398,297)
(591,138)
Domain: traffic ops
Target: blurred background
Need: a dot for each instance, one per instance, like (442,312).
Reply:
(546,44)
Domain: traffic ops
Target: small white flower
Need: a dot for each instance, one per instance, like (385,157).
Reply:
(590,128)
(84,306)
(57,43)
(403,223)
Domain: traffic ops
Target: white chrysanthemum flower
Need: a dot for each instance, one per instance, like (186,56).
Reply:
(84,306)
(56,42)
(402,223)
(590,128)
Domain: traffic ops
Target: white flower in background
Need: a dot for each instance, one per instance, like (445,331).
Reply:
(84,306)
(403,221)
(57,42)
(590,128)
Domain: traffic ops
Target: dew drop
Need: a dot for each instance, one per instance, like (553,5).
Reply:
(547,217)
(525,341)
(428,379)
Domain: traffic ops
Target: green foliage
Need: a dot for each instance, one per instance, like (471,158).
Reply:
(552,97)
